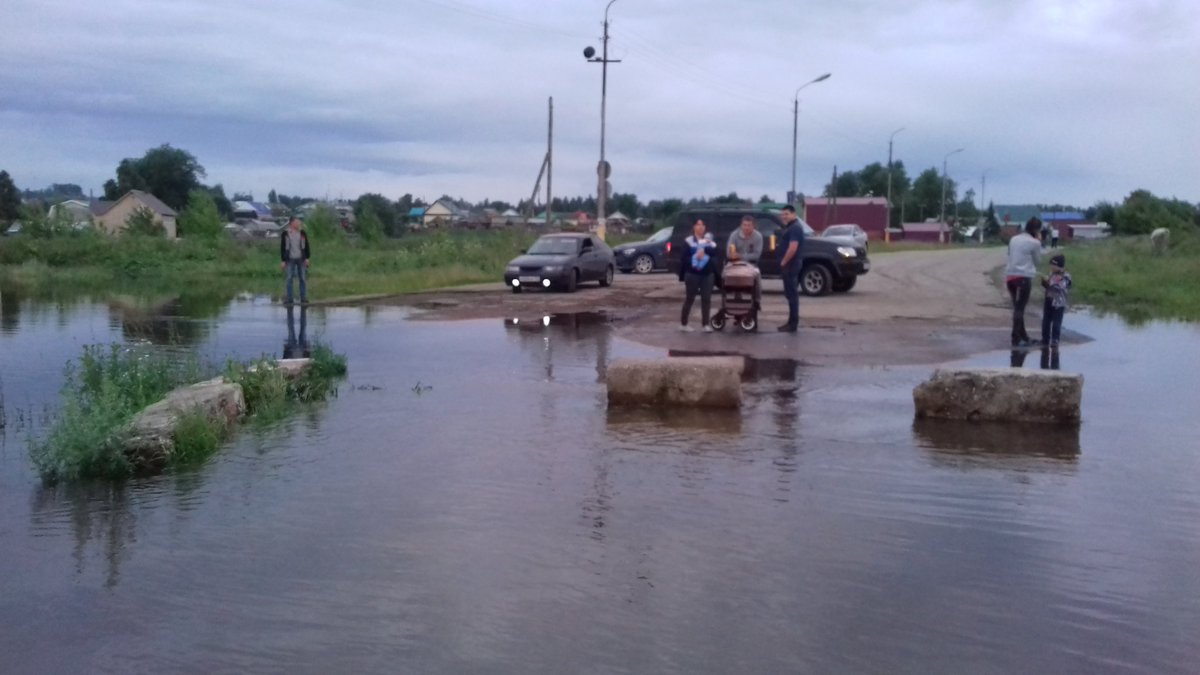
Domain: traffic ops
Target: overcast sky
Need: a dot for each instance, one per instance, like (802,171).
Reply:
(1057,101)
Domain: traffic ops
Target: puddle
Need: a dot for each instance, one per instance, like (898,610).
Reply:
(469,496)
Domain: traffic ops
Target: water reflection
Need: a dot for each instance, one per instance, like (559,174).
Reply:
(950,441)
(99,514)
(1049,358)
(296,346)
(541,333)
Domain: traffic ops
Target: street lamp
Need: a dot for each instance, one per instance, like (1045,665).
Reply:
(942,218)
(888,225)
(602,169)
(795,124)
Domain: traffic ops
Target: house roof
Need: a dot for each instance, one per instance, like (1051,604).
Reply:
(151,202)
(258,208)
(846,201)
(617,215)
(1047,216)
(416,212)
(101,207)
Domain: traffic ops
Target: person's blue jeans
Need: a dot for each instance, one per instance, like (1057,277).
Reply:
(791,290)
(296,269)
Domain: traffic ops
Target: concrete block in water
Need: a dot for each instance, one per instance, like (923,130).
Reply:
(1002,394)
(151,438)
(708,382)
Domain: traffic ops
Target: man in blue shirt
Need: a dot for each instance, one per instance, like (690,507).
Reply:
(792,243)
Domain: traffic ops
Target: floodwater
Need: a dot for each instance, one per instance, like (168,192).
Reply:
(467,504)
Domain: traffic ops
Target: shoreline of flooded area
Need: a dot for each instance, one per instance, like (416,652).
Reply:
(468,502)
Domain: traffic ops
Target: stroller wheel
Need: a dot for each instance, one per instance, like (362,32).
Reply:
(749,323)
(717,322)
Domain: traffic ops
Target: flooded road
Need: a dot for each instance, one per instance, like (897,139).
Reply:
(468,504)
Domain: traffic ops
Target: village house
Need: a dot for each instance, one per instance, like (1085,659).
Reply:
(869,213)
(441,213)
(111,217)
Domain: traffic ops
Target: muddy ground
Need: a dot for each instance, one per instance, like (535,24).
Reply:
(913,307)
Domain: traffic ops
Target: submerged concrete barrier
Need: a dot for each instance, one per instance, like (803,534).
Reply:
(150,440)
(704,381)
(1002,394)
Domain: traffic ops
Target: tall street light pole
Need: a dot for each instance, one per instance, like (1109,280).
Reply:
(942,218)
(602,169)
(888,225)
(795,126)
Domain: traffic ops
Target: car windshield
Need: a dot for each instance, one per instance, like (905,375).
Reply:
(662,235)
(839,232)
(553,246)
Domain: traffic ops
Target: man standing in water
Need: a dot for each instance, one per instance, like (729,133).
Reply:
(792,242)
(1024,251)
(293,256)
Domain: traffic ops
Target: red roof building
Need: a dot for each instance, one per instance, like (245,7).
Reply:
(869,213)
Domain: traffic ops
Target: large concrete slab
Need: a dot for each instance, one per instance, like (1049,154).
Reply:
(1001,394)
(151,438)
(706,382)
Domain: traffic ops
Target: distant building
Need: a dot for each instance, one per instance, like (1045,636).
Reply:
(442,213)
(1063,221)
(78,211)
(869,213)
(934,232)
(110,217)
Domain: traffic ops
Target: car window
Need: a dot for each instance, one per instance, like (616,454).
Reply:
(553,246)
(662,235)
(766,226)
(808,231)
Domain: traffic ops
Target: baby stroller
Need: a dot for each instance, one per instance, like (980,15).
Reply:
(739,293)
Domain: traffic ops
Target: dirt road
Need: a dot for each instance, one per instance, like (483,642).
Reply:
(913,307)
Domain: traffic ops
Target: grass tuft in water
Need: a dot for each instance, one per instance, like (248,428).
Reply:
(197,437)
(100,396)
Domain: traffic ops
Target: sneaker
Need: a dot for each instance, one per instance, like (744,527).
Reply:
(687,329)
(708,329)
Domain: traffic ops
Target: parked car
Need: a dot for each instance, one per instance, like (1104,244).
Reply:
(644,257)
(561,261)
(847,231)
(828,264)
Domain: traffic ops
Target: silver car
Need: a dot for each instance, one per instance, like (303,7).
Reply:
(847,231)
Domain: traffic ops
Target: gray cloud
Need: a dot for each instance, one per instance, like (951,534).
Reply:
(1058,101)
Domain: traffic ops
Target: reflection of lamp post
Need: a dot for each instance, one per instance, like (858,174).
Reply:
(795,124)
(602,169)
(942,218)
(888,225)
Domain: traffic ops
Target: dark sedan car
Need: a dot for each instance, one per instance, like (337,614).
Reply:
(644,257)
(561,261)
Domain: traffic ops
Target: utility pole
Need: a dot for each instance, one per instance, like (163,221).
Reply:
(886,234)
(549,159)
(942,217)
(603,171)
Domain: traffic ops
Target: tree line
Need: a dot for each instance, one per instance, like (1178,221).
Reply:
(175,176)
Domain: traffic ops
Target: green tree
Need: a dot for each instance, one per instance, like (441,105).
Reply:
(382,209)
(10,199)
(200,219)
(165,172)
(1142,213)
(368,224)
(224,206)
(322,223)
(926,195)
(872,180)
(143,223)
(272,197)
(847,186)
(625,202)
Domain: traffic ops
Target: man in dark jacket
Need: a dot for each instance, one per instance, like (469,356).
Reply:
(293,256)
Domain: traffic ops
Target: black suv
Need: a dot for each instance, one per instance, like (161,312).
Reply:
(830,264)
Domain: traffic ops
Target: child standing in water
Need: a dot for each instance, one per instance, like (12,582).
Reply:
(1058,288)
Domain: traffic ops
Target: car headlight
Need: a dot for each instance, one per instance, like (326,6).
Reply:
(847,251)
(551,269)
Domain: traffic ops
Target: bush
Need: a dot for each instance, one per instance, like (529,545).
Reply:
(200,219)
(143,223)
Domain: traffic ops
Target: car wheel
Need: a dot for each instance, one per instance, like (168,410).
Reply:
(572,281)
(608,277)
(816,280)
(844,284)
(644,264)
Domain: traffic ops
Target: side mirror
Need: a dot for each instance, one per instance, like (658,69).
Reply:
(524,251)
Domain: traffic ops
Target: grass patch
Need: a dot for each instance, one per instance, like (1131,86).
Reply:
(340,266)
(1124,276)
(101,395)
(109,386)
